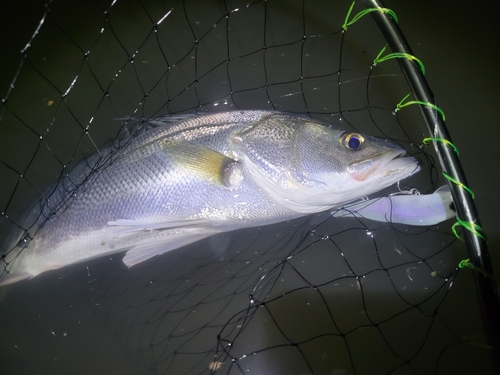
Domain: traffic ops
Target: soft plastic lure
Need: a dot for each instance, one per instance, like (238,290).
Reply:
(404,208)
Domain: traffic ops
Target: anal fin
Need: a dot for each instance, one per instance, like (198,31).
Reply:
(160,245)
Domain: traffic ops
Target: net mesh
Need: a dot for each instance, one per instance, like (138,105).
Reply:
(316,295)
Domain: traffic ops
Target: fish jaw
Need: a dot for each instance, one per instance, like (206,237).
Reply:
(392,166)
(366,177)
(361,170)
(386,170)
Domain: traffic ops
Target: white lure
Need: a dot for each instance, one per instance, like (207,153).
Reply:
(409,208)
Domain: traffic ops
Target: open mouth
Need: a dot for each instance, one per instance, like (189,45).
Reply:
(386,164)
(401,165)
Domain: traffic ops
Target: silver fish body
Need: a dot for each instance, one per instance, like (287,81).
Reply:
(201,175)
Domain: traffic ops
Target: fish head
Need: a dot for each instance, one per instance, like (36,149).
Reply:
(309,167)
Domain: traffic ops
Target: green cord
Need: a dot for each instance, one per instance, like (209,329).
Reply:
(456,182)
(433,106)
(425,141)
(470,226)
(398,55)
(348,23)
(467,263)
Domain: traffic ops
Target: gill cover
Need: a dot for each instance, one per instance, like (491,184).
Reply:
(306,166)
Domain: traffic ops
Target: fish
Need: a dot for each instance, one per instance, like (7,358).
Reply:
(404,208)
(177,180)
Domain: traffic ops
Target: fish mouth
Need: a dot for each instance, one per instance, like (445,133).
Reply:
(394,165)
(400,162)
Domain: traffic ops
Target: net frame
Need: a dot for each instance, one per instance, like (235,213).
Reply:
(450,162)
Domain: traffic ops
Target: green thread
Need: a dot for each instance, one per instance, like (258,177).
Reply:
(348,23)
(458,183)
(470,226)
(398,55)
(454,230)
(435,107)
(425,141)
(467,263)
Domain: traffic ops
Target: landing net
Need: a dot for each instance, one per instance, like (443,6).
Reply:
(317,295)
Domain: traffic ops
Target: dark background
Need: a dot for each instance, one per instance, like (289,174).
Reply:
(457,41)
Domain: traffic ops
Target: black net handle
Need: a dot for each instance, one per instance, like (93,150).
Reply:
(466,209)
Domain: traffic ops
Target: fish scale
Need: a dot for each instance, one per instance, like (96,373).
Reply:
(187,178)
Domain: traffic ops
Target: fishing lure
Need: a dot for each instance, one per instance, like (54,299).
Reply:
(410,208)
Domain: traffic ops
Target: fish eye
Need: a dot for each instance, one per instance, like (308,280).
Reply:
(352,141)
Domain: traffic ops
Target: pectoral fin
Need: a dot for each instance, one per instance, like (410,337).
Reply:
(123,226)
(202,161)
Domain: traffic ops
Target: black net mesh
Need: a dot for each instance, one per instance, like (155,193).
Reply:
(316,295)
